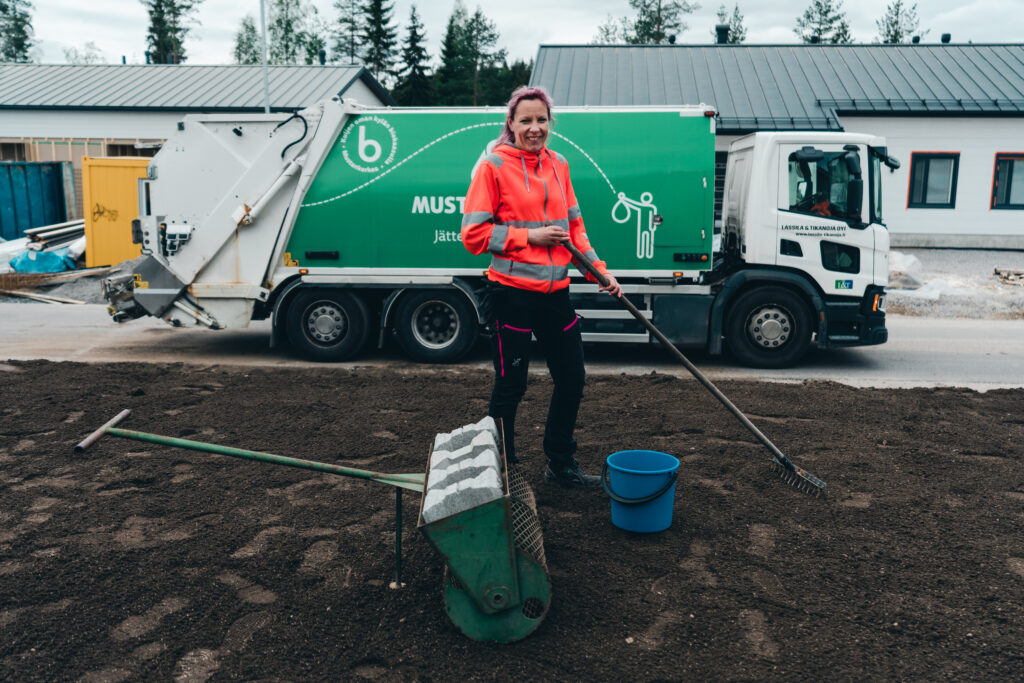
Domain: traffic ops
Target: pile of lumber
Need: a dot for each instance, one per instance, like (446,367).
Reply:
(48,237)
(20,284)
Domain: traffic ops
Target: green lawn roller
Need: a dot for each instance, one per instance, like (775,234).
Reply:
(475,511)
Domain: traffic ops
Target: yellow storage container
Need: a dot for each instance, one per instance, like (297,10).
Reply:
(111,197)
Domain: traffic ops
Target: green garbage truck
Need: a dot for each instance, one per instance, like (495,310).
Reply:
(341,224)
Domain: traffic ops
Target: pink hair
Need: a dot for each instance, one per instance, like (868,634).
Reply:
(523,92)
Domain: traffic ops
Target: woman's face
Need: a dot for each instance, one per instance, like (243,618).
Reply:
(529,125)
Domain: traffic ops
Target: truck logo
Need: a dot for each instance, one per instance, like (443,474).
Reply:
(646,223)
(368,144)
(844,284)
(428,204)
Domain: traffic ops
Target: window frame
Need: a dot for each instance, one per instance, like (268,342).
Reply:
(1009,156)
(955,157)
(790,209)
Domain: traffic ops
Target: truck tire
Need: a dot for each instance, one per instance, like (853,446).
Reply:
(435,326)
(769,327)
(327,324)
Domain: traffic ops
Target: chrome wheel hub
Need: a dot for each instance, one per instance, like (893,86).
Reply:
(435,324)
(770,327)
(326,323)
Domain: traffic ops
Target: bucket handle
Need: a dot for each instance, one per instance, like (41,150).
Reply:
(606,483)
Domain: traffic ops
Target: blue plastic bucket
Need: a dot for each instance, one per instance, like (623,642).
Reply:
(642,486)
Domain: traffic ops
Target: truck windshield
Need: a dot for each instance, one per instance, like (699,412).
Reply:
(819,187)
(875,179)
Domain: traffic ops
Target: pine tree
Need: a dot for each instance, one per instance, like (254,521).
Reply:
(737,31)
(16,31)
(826,20)
(414,87)
(347,43)
(167,29)
(658,21)
(899,23)
(453,80)
(379,37)
(248,43)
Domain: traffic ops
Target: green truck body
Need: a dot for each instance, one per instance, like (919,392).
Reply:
(342,223)
(389,193)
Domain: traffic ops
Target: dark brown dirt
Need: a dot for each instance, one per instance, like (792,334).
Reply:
(137,561)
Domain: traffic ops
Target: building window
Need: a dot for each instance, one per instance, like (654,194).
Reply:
(1008,182)
(933,180)
(129,150)
(15,151)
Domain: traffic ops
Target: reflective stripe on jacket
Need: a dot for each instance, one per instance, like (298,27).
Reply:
(512,192)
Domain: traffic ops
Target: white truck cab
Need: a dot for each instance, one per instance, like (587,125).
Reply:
(804,208)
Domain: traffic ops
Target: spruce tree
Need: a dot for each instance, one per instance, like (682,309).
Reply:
(826,20)
(453,80)
(167,29)
(379,37)
(16,31)
(737,31)
(481,40)
(899,23)
(347,43)
(248,44)
(414,87)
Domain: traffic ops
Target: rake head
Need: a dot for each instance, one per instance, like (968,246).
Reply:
(798,478)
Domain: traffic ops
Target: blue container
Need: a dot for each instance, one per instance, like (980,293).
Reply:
(642,486)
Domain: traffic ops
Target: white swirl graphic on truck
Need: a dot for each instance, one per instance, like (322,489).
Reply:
(370,150)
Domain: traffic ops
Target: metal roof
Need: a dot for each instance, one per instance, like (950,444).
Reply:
(789,87)
(184,87)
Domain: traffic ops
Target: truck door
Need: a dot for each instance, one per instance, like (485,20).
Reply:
(822,228)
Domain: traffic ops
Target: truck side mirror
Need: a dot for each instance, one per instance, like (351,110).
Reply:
(854,199)
(852,159)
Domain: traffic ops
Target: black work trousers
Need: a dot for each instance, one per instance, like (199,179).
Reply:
(514,315)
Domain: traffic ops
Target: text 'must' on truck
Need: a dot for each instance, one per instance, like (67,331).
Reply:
(342,225)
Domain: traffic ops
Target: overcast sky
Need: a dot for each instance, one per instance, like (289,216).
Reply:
(118,27)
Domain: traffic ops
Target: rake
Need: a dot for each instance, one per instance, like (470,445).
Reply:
(797,477)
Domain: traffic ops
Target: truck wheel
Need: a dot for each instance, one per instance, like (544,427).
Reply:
(769,327)
(327,324)
(435,326)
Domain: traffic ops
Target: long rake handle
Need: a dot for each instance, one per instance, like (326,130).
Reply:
(779,455)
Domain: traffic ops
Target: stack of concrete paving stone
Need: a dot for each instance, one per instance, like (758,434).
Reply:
(464,472)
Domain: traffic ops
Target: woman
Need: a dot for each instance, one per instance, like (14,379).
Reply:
(521,207)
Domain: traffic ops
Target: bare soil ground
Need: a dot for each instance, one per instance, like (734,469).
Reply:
(136,561)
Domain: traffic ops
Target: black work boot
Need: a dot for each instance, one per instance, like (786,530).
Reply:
(571,476)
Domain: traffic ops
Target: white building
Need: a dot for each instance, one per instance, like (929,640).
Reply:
(952,114)
(64,112)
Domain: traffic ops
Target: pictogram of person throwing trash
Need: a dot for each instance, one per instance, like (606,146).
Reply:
(646,222)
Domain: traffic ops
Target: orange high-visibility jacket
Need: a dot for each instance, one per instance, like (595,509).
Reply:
(512,192)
